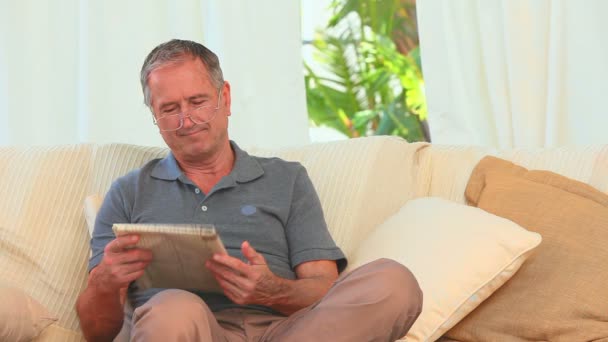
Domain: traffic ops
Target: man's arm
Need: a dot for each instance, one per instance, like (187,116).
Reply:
(100,306)
(314,280)
(254,282)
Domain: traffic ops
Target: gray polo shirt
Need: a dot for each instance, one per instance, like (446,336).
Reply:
(267,201)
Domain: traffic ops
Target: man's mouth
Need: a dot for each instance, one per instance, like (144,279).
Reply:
(191,131)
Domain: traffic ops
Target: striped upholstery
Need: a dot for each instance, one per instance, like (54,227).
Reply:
(43,236)
(444,170)
(109,162)
(44,239)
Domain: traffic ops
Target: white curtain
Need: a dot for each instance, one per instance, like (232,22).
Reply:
(69,69)
(515,73)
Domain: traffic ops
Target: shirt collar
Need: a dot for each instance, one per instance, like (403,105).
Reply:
(167,168)
(246,168)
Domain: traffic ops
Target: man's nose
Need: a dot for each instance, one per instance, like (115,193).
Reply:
(188,121)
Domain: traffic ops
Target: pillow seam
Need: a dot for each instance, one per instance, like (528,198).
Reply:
(485,283)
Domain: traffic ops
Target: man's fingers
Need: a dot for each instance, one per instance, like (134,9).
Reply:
(227,274)
(127,273)
(229,278)
(221,270)
(231,263)
(233,292)
(133,267)
(130,277)
(252,255)
(121,243)
(132,256)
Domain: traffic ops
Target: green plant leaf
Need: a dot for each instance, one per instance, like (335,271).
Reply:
(365,84)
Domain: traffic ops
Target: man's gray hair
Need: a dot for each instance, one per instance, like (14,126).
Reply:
(177,50)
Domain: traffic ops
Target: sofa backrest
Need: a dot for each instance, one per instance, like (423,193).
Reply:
(443,170)
(43,237)
(44,241)
(111,161)
(586,164)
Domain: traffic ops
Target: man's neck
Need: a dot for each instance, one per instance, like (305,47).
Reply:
(206,171)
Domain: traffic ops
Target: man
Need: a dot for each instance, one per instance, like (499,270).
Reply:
(280,277)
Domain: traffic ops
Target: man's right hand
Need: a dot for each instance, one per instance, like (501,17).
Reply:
(100,306)
(121,264)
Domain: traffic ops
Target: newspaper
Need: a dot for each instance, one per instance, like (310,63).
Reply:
(179,253)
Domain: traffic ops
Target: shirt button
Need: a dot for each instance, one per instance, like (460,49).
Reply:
(197,190)
(204,208)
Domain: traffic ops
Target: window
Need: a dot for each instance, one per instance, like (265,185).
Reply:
(362,69)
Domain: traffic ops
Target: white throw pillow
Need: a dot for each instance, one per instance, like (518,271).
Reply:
(459,254)
(92,203)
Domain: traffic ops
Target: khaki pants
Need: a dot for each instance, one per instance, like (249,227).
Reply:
(376,302)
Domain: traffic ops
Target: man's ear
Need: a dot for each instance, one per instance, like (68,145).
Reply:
(226,98)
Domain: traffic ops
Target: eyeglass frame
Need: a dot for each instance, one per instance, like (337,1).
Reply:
(182,115)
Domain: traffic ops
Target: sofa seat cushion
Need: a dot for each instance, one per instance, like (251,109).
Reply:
(460,255)
(560,292)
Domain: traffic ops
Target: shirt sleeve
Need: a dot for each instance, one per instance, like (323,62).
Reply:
(306,229)
(113,210)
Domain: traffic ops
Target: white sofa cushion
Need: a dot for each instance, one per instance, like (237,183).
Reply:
(43,237)
(460,255)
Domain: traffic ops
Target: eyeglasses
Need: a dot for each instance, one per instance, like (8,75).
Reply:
(199,115)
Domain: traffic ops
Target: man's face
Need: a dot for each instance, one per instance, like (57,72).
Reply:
(181,87)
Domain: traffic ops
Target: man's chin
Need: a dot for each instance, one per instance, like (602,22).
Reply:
(197,149)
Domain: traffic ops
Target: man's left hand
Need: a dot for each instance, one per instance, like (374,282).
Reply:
(249,282)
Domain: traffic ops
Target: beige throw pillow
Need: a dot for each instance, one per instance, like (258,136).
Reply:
(21,317)
(560,293)
(459,255)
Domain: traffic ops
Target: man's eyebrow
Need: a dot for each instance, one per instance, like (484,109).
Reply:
(199,97)
(191,98)
(167,104)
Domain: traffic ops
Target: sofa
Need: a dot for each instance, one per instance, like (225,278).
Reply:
(361,183)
